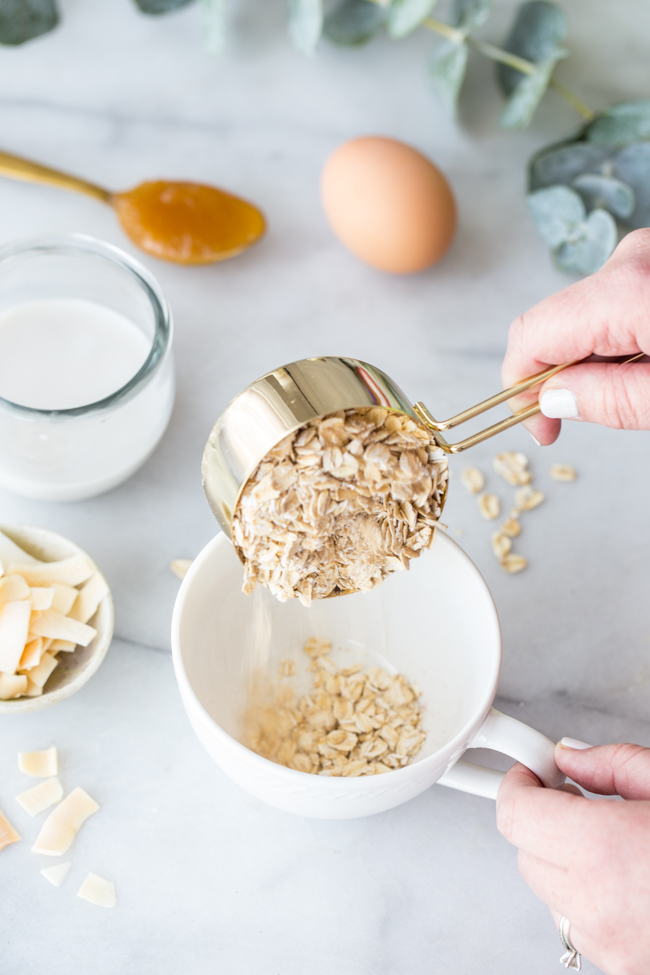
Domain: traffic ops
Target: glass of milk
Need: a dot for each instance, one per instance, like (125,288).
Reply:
(86,371)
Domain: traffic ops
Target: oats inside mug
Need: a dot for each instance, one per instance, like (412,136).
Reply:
(349,723)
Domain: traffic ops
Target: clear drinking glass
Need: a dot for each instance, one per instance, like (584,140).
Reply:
(69,454)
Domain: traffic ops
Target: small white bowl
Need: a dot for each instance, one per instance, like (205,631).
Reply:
(74,669)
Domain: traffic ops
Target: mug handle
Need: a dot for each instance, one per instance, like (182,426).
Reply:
(504,734)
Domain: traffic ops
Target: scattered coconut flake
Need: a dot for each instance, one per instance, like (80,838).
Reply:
(68,572)
(489,506)
(98,891)
(472,479)
(7,833)
(90,596)
(38,676)
(41,796)
(527,498)
(513,563)
(66,645)
(12,588)
(64,598)
(56,875)
(563,472)
(61,826)
(58,627)
(41,597)
(501,544)
(180,567)
(39,764)
(12,685)
(14,628)
(31,654)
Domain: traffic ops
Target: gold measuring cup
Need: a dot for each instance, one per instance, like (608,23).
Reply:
(287,398)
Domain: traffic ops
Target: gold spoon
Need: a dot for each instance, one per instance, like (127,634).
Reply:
(188,223)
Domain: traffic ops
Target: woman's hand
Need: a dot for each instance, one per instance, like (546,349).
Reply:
(589,860)
(606,314)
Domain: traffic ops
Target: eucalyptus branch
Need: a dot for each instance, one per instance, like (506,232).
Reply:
(504,57)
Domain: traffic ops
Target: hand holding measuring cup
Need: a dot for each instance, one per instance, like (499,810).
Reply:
(606,314)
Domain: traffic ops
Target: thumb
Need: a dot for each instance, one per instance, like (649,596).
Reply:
(622,770)
(614,394)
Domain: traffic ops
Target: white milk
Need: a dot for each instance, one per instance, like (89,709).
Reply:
(60,353)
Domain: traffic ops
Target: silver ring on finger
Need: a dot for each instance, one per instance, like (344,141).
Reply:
(571,957)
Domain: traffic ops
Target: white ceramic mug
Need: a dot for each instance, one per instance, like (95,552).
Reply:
(436,624)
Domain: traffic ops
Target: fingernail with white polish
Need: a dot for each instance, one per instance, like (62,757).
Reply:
(559,404)
(574,743)
(534,438)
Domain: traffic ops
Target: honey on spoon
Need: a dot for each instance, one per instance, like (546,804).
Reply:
(183,222)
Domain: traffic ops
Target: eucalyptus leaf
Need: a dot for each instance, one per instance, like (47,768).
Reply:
(305,24)
(621,124)
(403,16)
(160,6)
(632,165)
(523,102)
(214,24)
(588,249)
(447,70)
(21,20)
(469,15)
(353,22)
(606,193)
(561,164)
(558,212)
(537,35)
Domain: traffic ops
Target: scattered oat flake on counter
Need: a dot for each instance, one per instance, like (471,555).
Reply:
(41,796)
(527,498)
(56,875)
(62,825)
(42,765)
(489,506)
(180,567)
(513,468)
(7,833)
(563,472)
(472,479)
(513,563)
(501,544)
(511,527)
(98,891)
(287,668)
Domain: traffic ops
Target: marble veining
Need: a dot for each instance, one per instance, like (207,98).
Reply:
(207,878)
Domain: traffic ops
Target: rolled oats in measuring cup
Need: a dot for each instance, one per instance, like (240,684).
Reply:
(326,478)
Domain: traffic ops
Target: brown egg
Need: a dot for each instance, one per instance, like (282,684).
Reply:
(388,204)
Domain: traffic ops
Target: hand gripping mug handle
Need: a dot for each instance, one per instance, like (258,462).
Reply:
(504,734)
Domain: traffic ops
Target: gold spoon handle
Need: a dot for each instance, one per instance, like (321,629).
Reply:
(16,168)
(455,448)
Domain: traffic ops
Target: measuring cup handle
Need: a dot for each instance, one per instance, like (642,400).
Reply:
(504,734)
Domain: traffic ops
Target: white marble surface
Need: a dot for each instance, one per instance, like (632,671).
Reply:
(209,880)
